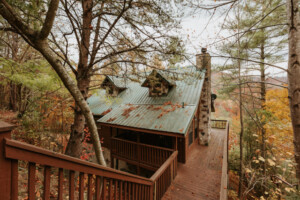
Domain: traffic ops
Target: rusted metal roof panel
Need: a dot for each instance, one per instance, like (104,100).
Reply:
(157,117)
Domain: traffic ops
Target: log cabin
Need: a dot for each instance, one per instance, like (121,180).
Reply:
(153,126)
(141,123)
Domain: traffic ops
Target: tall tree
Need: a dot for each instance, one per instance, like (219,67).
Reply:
(293,19)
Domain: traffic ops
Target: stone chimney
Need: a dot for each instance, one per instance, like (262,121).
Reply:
(203,62)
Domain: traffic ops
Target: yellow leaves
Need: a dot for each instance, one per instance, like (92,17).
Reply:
(271,162)
(261,159)
(289,189)
(262,198)
(256,161)
(247,170)
(279,133)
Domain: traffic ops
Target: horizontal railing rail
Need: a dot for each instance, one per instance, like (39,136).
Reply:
(224,179)
(142,153)
(220,124)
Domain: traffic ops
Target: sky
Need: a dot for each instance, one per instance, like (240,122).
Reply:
(203,30)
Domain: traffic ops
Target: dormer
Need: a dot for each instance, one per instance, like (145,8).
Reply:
(158,84)
(113,85)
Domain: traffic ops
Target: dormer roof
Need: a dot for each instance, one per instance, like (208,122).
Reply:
(161,76)
(115,81)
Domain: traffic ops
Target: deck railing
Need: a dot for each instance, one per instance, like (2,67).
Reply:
(224,179)
(94,181)
(164,176)
(220,124)
(142,153)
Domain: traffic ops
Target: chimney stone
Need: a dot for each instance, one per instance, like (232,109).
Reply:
(203,60)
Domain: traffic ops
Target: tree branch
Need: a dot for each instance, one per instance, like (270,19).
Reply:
(49,19)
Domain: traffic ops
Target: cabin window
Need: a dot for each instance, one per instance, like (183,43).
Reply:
(109,90)
(196,128)
(191,134)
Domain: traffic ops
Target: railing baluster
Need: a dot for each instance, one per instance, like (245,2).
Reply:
(60,183)
(116,189)
(90,187)
(14,179)
(137,190)
(47,171)
(129,191)
(104,192)
(31,180)
(133,191)
(71,185)
(97,189)
(125,191)
(121,190)
(110,189)
(81,186)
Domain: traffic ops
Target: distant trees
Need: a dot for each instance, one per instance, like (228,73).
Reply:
(259,40)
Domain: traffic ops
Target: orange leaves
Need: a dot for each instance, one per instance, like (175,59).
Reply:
(167,103)
(172,108)
(126,112)
(107,111)
(111,119)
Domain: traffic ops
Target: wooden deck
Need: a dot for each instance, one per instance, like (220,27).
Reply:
(200,177)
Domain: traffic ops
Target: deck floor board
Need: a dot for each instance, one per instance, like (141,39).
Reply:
(200,177)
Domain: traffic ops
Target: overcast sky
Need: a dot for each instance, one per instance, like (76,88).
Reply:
(203,30)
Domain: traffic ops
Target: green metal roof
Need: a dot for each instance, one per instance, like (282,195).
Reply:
(155,118)
(188,90)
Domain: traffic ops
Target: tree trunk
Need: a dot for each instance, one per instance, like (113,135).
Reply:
(294,74)
(70,84)
(74,146)
(263,101)
(241,174)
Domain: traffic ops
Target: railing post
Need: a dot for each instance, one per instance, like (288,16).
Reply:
(6,189)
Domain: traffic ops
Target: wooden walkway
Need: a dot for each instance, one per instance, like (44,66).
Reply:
(200,177)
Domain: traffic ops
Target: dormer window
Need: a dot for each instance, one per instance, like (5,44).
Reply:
(158,84)
(113,86)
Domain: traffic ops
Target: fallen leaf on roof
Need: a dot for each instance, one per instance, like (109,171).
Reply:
(126,111)
(181,130)
(107,111)
(111,119)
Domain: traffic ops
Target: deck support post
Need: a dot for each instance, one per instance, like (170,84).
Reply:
(117,163)
(6,176)
(111,161)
